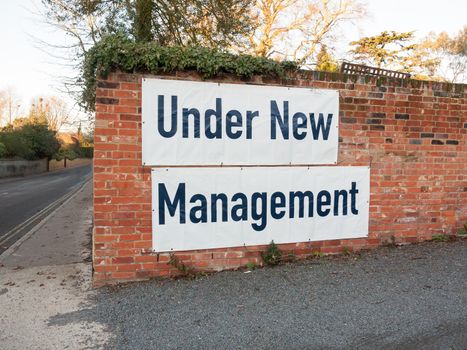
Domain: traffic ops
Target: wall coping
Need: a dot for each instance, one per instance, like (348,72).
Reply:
(455,90)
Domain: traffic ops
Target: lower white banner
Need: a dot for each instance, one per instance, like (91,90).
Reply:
(200,208)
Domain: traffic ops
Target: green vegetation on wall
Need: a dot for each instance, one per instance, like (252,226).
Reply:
(116,52)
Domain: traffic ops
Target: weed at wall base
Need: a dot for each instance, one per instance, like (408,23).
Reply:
(272,256)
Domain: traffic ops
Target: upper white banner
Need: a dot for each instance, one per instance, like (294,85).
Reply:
(201,123)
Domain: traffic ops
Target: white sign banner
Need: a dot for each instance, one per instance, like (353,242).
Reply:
(227,207)
(201,123)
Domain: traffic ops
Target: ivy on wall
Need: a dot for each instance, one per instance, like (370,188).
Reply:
(116,52)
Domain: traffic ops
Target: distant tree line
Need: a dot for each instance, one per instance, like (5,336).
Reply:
(35,136)
(437,56)
(30,141)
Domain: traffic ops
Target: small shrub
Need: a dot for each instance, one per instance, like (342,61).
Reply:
(291,257)
(317,254)
(346,250)
(250,266)
(463,231)
(184,270)
(273,255)
(440,238)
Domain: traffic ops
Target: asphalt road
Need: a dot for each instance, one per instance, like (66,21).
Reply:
(22,198)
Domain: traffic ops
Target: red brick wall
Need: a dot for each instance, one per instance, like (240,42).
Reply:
(411,133)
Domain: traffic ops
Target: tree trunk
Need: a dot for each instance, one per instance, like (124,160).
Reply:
(142,25)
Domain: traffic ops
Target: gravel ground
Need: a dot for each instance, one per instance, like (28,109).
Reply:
(412,297)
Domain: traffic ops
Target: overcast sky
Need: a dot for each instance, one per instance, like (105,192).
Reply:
(32,72)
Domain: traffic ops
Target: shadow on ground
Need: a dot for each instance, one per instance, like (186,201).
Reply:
(406,298)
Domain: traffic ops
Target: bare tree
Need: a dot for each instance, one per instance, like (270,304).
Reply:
(83,23)
(52,110)
(296,29)
(58,113)
(3,104)
(449,53)
(9,105)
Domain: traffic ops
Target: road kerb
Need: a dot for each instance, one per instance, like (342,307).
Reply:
(42,216)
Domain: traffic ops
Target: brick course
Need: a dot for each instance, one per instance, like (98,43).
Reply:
(412,134)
